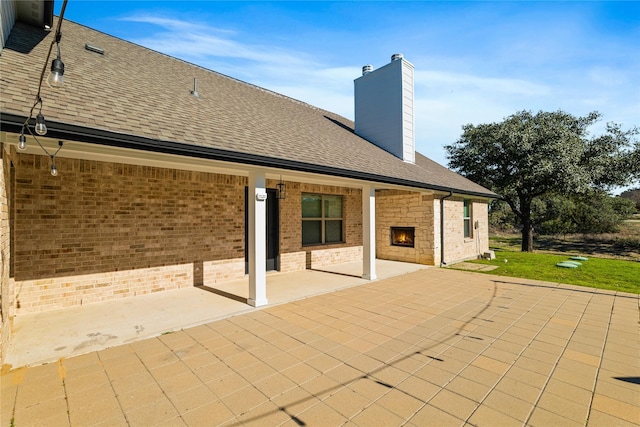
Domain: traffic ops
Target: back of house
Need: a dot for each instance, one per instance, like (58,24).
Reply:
(144,183)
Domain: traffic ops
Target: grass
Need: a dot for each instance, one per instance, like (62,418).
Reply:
(614,258)
(601,273)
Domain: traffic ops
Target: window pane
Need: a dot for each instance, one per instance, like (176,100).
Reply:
(311,232)
(467,227)
(466,209)
(332,231)
(311,206)
(333,206)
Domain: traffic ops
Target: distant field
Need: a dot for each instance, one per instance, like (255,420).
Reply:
(622,245)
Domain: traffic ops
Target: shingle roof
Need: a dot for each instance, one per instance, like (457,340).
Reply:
(132,90)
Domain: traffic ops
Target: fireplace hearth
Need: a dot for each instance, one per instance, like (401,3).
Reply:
(403,236)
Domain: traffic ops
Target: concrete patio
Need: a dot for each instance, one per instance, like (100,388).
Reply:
(46,337)
(431,347)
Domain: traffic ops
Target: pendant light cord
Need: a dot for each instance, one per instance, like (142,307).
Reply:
(38,101)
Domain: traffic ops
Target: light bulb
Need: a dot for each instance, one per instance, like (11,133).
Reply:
(22,142)
(54,170)
(41,127)
(56,76)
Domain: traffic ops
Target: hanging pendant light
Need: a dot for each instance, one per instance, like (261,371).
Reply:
(54,80)
(22,142)
(41,126)
(56,76)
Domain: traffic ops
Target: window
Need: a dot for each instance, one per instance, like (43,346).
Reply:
(321,219)
(467,218)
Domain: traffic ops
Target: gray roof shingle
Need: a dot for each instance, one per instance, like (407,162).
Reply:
(132,90)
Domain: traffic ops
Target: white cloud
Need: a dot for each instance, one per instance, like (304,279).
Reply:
(455,82)
(172,24)
(608,77)
(190,41)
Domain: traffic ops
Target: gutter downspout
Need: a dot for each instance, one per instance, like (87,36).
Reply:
(442,263)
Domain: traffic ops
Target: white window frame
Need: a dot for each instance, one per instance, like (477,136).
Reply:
(467,218)
(324,218)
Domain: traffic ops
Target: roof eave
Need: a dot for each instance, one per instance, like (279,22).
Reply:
(13,123)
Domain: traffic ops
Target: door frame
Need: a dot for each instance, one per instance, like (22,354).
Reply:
(272,230)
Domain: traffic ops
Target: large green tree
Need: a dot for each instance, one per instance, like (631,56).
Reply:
(528,156)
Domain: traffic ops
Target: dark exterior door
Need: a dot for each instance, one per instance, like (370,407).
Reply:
(273,230)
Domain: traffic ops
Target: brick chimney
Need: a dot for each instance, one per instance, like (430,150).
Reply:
(384,107)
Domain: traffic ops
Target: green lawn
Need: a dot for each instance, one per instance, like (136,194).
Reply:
(601,273)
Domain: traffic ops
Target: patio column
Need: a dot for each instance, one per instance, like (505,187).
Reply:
(257,239)
(369,232)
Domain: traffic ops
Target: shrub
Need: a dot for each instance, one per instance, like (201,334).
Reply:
(627,244)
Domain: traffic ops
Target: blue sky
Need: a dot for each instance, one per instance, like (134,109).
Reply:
(476,62)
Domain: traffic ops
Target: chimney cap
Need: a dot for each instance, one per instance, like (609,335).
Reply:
(367,69)
(397,56)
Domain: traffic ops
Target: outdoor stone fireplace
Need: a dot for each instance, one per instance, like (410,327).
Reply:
(403,236)
(410,217)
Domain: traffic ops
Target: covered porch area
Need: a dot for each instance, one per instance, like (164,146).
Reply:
(120,222)
(49,336)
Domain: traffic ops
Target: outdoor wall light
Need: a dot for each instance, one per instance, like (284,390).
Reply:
(41,126)
(281,190)
(22,142)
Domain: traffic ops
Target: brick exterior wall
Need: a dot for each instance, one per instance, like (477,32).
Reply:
(456,246)
(223,271)
(293,261)
(323,258)
(101,217)
(410,209)
(6,284)
(395,208)
(56,292)
(100,231)
(294,256)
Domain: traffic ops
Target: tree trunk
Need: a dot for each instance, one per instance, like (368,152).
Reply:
(527,238)
(527,226)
